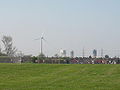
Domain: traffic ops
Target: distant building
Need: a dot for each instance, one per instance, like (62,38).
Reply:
(94,53)
(72,54)
(62,53)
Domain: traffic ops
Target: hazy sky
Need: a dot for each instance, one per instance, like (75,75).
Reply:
(67,24)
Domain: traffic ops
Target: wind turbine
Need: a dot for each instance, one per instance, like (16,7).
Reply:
(42,38)
(41,43)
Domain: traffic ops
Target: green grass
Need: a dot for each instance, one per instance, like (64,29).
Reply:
(59,77)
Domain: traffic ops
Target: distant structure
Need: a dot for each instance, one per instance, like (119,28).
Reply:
(83,53)
(41,44)
(62,53)
(94,53)
(72,54)
(102,53)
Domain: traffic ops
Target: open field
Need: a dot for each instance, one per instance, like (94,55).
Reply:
(59,77)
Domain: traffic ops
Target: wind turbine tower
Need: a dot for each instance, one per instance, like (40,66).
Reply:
(41,46)
(41,52)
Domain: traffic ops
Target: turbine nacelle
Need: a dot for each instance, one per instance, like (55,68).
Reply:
(41,38)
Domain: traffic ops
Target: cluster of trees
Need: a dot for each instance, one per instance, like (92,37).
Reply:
(8,48)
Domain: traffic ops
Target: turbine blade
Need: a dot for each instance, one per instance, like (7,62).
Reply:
(42,35)
(44,39)
(37,39)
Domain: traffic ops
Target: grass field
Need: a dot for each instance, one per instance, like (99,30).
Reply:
(59,77)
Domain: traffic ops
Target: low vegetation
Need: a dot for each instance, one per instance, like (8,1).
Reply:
(59,77)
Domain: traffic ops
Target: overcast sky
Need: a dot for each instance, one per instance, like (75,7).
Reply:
(67,24)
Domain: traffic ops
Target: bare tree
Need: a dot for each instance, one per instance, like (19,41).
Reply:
(10,50)
(0,49)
